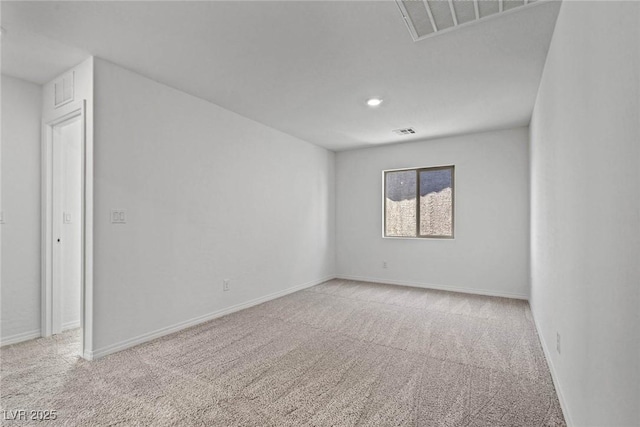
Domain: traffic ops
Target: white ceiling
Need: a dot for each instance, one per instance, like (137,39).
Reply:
(303,67)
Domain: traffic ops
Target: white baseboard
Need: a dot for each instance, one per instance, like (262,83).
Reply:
(71,325)
(554,376)
(438,287)
(132,342)
(25,336)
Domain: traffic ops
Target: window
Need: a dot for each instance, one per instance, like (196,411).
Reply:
(419,202)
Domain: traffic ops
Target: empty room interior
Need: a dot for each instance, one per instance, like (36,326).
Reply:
(320,213)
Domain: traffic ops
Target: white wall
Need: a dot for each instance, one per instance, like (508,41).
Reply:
(20,293)
(209,195)
(490,251)
(585,211)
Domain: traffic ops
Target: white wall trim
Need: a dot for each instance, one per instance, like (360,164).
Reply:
(438,287)
(132,342)
(71,325)
(24,336)
(554,376)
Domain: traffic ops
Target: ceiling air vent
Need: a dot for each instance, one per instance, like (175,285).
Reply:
(427,17)
(405,131)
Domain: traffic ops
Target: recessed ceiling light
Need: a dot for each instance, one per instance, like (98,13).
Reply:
(374,102)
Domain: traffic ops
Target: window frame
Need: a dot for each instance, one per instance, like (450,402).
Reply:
(417,171)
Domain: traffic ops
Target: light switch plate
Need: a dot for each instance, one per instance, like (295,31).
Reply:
(118,216)
(66,218)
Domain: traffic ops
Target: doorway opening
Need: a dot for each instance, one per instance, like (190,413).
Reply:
(64,228)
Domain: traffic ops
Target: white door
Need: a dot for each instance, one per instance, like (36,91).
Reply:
(67,225)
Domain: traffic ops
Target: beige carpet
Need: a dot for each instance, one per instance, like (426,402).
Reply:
(339,354)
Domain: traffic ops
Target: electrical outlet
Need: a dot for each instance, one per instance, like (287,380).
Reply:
(558,342)
(225,285)
(118,216)
(384,264)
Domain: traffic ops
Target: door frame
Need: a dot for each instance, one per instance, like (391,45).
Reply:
(72,111)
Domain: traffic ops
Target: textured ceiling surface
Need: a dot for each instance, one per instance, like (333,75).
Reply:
(303,67)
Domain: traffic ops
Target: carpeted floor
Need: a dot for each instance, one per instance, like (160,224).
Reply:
(339,354)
